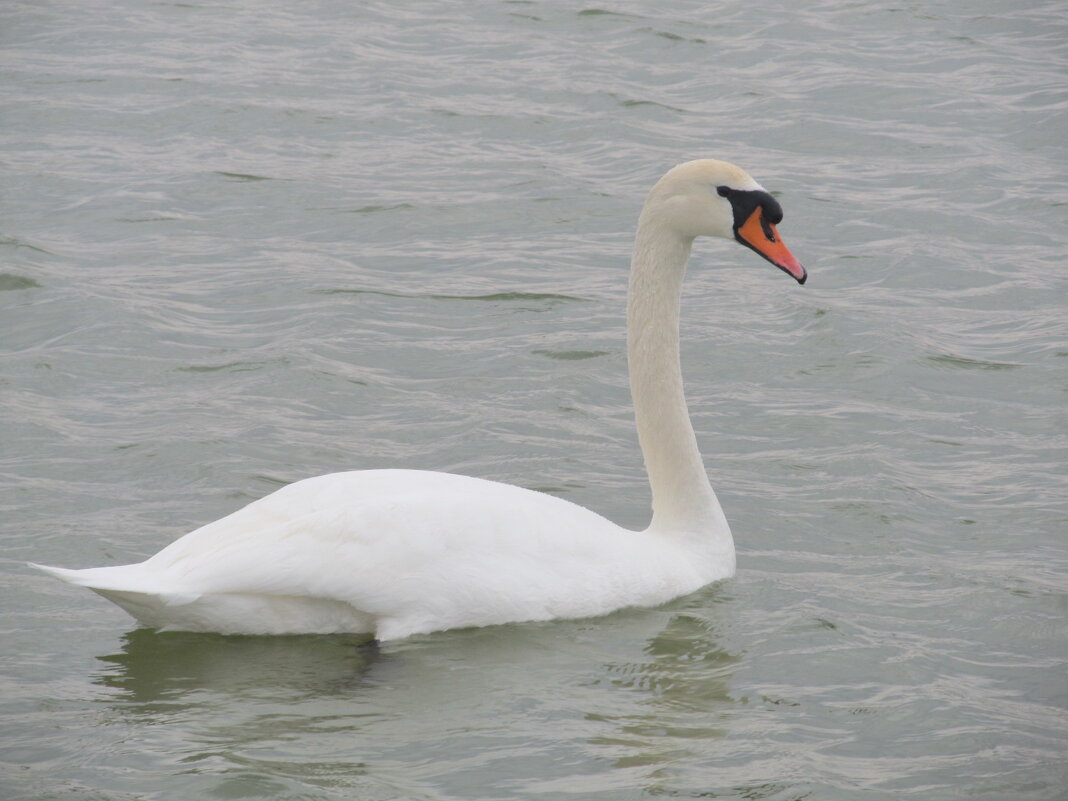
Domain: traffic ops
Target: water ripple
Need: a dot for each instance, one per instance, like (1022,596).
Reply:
(246,243)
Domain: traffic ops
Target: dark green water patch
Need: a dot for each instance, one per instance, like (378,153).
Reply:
(10,282)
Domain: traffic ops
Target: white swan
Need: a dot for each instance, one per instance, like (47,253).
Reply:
(401,552)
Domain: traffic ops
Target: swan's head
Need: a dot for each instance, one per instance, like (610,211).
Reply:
(715,198)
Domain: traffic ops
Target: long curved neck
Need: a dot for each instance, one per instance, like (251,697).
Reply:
(683,500)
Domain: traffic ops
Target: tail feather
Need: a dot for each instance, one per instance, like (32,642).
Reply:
(121,579)
(146,596)
(76,577)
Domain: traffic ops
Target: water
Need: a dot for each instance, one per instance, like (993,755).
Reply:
(245,243)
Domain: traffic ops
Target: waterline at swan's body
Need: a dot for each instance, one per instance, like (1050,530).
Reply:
(399,552)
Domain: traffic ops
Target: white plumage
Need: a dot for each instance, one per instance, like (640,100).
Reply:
(400,552)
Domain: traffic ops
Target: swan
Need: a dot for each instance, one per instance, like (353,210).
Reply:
(394,553)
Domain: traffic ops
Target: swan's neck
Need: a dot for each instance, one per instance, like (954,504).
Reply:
(683,501)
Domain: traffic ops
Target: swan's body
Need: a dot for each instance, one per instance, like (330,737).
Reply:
(400,552)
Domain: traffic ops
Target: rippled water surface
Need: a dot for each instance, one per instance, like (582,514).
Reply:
(248,242)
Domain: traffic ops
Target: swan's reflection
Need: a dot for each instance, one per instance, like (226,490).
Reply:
(164,667)
(613,700)
(680,688)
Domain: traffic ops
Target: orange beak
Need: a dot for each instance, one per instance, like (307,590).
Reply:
(760,235)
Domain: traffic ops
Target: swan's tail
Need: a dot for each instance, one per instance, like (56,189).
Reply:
(128,586)
(149,597)
(128,578)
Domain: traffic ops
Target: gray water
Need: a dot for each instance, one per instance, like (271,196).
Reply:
(248,242)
